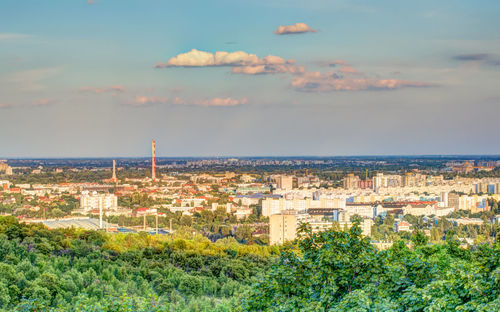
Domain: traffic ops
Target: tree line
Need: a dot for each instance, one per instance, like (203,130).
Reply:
(77,270)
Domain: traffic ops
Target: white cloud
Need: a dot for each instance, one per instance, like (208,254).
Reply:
(298,28)
(345,78)
(196,58)
(217,101)
(238,58)
(192,58)
(227,101)
(146,100)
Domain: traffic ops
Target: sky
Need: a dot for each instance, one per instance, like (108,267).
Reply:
(102,78)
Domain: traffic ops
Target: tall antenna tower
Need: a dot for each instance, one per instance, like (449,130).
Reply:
(114,172)
(153,160)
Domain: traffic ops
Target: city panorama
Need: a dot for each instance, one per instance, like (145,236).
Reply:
(265,155)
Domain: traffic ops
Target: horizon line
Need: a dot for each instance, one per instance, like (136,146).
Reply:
(246,156)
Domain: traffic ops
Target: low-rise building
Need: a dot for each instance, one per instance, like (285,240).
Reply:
(402,226)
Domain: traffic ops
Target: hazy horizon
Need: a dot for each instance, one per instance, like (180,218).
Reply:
(258,156)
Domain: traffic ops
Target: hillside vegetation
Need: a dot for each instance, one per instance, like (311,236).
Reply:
(342,271)
(76,270)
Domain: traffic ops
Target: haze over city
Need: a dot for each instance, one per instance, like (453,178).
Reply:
(243,78)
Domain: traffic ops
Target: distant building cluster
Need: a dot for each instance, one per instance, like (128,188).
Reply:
(412,193)
(5,168)
(289,199)
(469,166)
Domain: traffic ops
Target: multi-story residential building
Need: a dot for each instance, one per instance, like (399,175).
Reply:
(420,208)
(366,210)
(282,227)
(385,181)
(351,182)
(91,201)
(365,184)
(393,180)
(378,181)
(228,207)
(444,199)
(285,182)
(473,203)
(272,206)
(453,200)
(5,168)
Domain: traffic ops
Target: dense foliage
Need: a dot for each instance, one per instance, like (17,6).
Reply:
(74,270)
(342,271)
(439,228)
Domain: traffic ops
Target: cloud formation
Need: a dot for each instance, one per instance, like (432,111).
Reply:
(227,101)
(146,100)
(98,90)
(217,101)
(331,81)
(471,57)
(288,67)
(196,58)
(298,28)
(347,70)
(336,63)
(345,78)
(478,58)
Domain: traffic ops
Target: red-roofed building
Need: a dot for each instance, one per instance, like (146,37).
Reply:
(145,211)
(402,226)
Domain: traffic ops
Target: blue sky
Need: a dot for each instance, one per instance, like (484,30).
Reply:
(78,79)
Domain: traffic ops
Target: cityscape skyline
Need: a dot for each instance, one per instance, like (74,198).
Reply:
(251,155)
(253,78)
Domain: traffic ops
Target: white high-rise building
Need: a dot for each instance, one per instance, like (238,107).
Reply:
(285,182)
(92,201)
(444,199)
